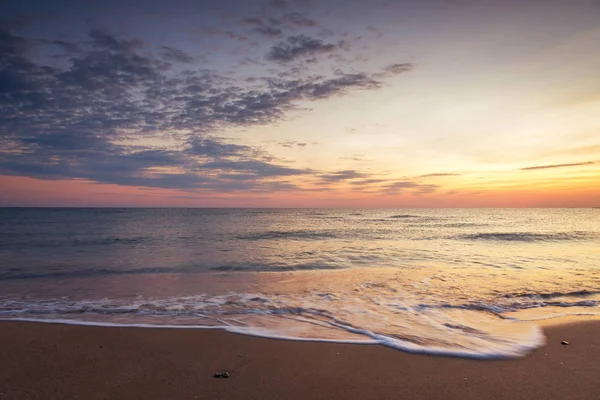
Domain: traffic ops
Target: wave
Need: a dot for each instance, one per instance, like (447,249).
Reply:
(68,272)
(553,295)
(456,225)
(527,236)
(17,243)
(499,309)
(248,303)
(278,268)
(113,240)
(534,339)
(299,234)
(474,330)
(404,216)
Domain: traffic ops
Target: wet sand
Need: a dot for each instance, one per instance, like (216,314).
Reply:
(53,361)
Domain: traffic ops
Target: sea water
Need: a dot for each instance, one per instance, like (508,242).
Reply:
(463,282)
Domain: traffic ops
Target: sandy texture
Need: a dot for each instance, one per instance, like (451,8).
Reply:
(48,361)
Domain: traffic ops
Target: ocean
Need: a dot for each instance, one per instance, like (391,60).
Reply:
(460,282)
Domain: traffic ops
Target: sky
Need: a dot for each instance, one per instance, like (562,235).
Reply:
(300,103)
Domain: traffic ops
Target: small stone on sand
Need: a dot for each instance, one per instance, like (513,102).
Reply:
(564,342)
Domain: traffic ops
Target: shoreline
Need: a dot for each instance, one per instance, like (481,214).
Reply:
(52,361)
(542,324)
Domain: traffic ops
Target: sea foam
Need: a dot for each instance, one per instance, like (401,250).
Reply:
(458,331)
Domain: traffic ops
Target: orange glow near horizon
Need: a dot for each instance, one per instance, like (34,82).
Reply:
(21,191)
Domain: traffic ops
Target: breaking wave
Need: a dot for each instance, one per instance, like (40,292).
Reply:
(17,243)
(300,234)
(476,329)
(54,272)
(527,236)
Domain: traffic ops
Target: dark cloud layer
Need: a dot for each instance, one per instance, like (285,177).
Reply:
(268,30)
(176,55)
(298,19)
(277,3)
(274,26)
(298,46)
(93,116)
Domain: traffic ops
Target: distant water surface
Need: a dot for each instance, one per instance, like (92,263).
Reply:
(464,282)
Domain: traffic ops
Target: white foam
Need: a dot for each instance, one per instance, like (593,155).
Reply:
(431,315)
(108,324)
(320,316)
(536,340)
(249,331)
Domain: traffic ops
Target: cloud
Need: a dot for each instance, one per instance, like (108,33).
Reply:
(175,55)
(292,143)
(340,176)
(390,186)
(278,3)
(398,68)
(364,182)
(299,46)
(211,31)
(69,47)
(375,31)
(88,116)
(437,174)
(355,157)
(216,148)
(257,168)
(262,27)
(252,21)
(268,31)
(298,19)
(273,26)
(394,69)
(558,165)
(314,88)
(103,39)
(401,186)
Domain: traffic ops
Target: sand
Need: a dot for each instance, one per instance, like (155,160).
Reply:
(52,361)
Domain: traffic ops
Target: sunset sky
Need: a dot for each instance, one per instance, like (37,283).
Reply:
(300,103)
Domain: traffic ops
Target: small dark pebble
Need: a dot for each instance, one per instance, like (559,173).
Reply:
(100,346)
(222,374)
(564,342)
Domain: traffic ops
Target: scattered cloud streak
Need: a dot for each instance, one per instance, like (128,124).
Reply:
(401,186)
(394,69)
(292,143)
(366,182)
(441,174)
(558,166)
(340,176)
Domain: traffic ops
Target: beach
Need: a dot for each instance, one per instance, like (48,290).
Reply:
(299,304)
(59,361)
